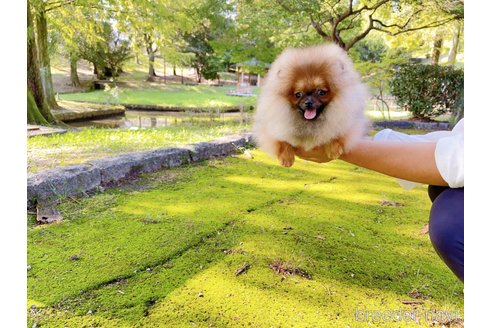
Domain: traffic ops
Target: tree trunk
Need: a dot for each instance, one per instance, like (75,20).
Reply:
(151,74)
(36,105)
(34,115)
(198,75)
(456,42)
(74,77)
(174,70)
(95,71)
(436,49)
(44,59)
(164,62)
(336,39)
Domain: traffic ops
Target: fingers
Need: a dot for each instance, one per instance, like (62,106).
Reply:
(316,154)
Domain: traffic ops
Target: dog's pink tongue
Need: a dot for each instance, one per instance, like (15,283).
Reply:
(309,114)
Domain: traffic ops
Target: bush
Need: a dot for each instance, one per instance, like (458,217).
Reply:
(368,50)
(428,90)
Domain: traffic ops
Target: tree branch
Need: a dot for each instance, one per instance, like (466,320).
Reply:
(318,28)
(400,27)
(362,35)
(350,26)
(284,6)
(56,4)
(430,25)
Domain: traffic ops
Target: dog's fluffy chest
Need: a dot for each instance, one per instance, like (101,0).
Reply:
(310,134)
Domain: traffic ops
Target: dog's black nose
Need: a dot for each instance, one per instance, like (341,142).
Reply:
(308,104)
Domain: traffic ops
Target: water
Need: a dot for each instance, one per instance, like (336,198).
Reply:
(152,119)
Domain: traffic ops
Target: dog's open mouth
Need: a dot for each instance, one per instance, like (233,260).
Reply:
(312,113)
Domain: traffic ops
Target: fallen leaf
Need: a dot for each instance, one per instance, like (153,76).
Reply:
(412,302)
(390,203)
(287,269)
(245,267)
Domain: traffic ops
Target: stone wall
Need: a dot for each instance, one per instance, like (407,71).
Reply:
(49,185)
(412,125)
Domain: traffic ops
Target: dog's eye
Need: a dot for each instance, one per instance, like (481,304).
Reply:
(298,94)
(322,92)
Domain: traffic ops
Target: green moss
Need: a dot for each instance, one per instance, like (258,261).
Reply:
(164,253)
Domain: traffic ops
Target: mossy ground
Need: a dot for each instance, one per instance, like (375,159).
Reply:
(163,251)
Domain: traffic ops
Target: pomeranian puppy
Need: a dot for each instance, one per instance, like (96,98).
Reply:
(310,97)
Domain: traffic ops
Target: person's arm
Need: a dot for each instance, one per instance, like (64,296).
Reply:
(413,161)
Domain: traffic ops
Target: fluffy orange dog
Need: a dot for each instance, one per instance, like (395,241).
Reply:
(311,97)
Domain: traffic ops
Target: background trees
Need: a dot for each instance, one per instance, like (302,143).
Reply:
(209,35)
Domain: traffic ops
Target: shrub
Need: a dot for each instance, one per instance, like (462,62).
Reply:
(428,90)
(368,50)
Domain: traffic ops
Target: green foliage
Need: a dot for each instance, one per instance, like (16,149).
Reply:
(200,41)
(108,53)
(212,66)
(428,90)
(369,50)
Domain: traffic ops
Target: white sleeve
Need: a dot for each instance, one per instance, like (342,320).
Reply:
(450,159)
(449,153)
(391,135)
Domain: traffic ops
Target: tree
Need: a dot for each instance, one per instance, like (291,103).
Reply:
(152,49)
(108,53)
(154,25)
(210,40)
(436,48)
(348,22)
(458,27)
(41,24)
(38,109)
(39,78)
(84,26)
(258,31)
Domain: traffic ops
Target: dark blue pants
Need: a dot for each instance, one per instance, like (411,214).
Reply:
(446,226)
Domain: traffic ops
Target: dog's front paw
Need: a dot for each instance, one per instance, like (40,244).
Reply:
(287,162)
(286,155)
(334,149)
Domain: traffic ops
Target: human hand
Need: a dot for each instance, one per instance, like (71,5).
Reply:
(317,154)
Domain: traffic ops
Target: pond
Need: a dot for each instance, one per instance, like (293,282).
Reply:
(152,119)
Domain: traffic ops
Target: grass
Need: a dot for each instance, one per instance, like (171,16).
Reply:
(200,96)
(75,147)
(163,252)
